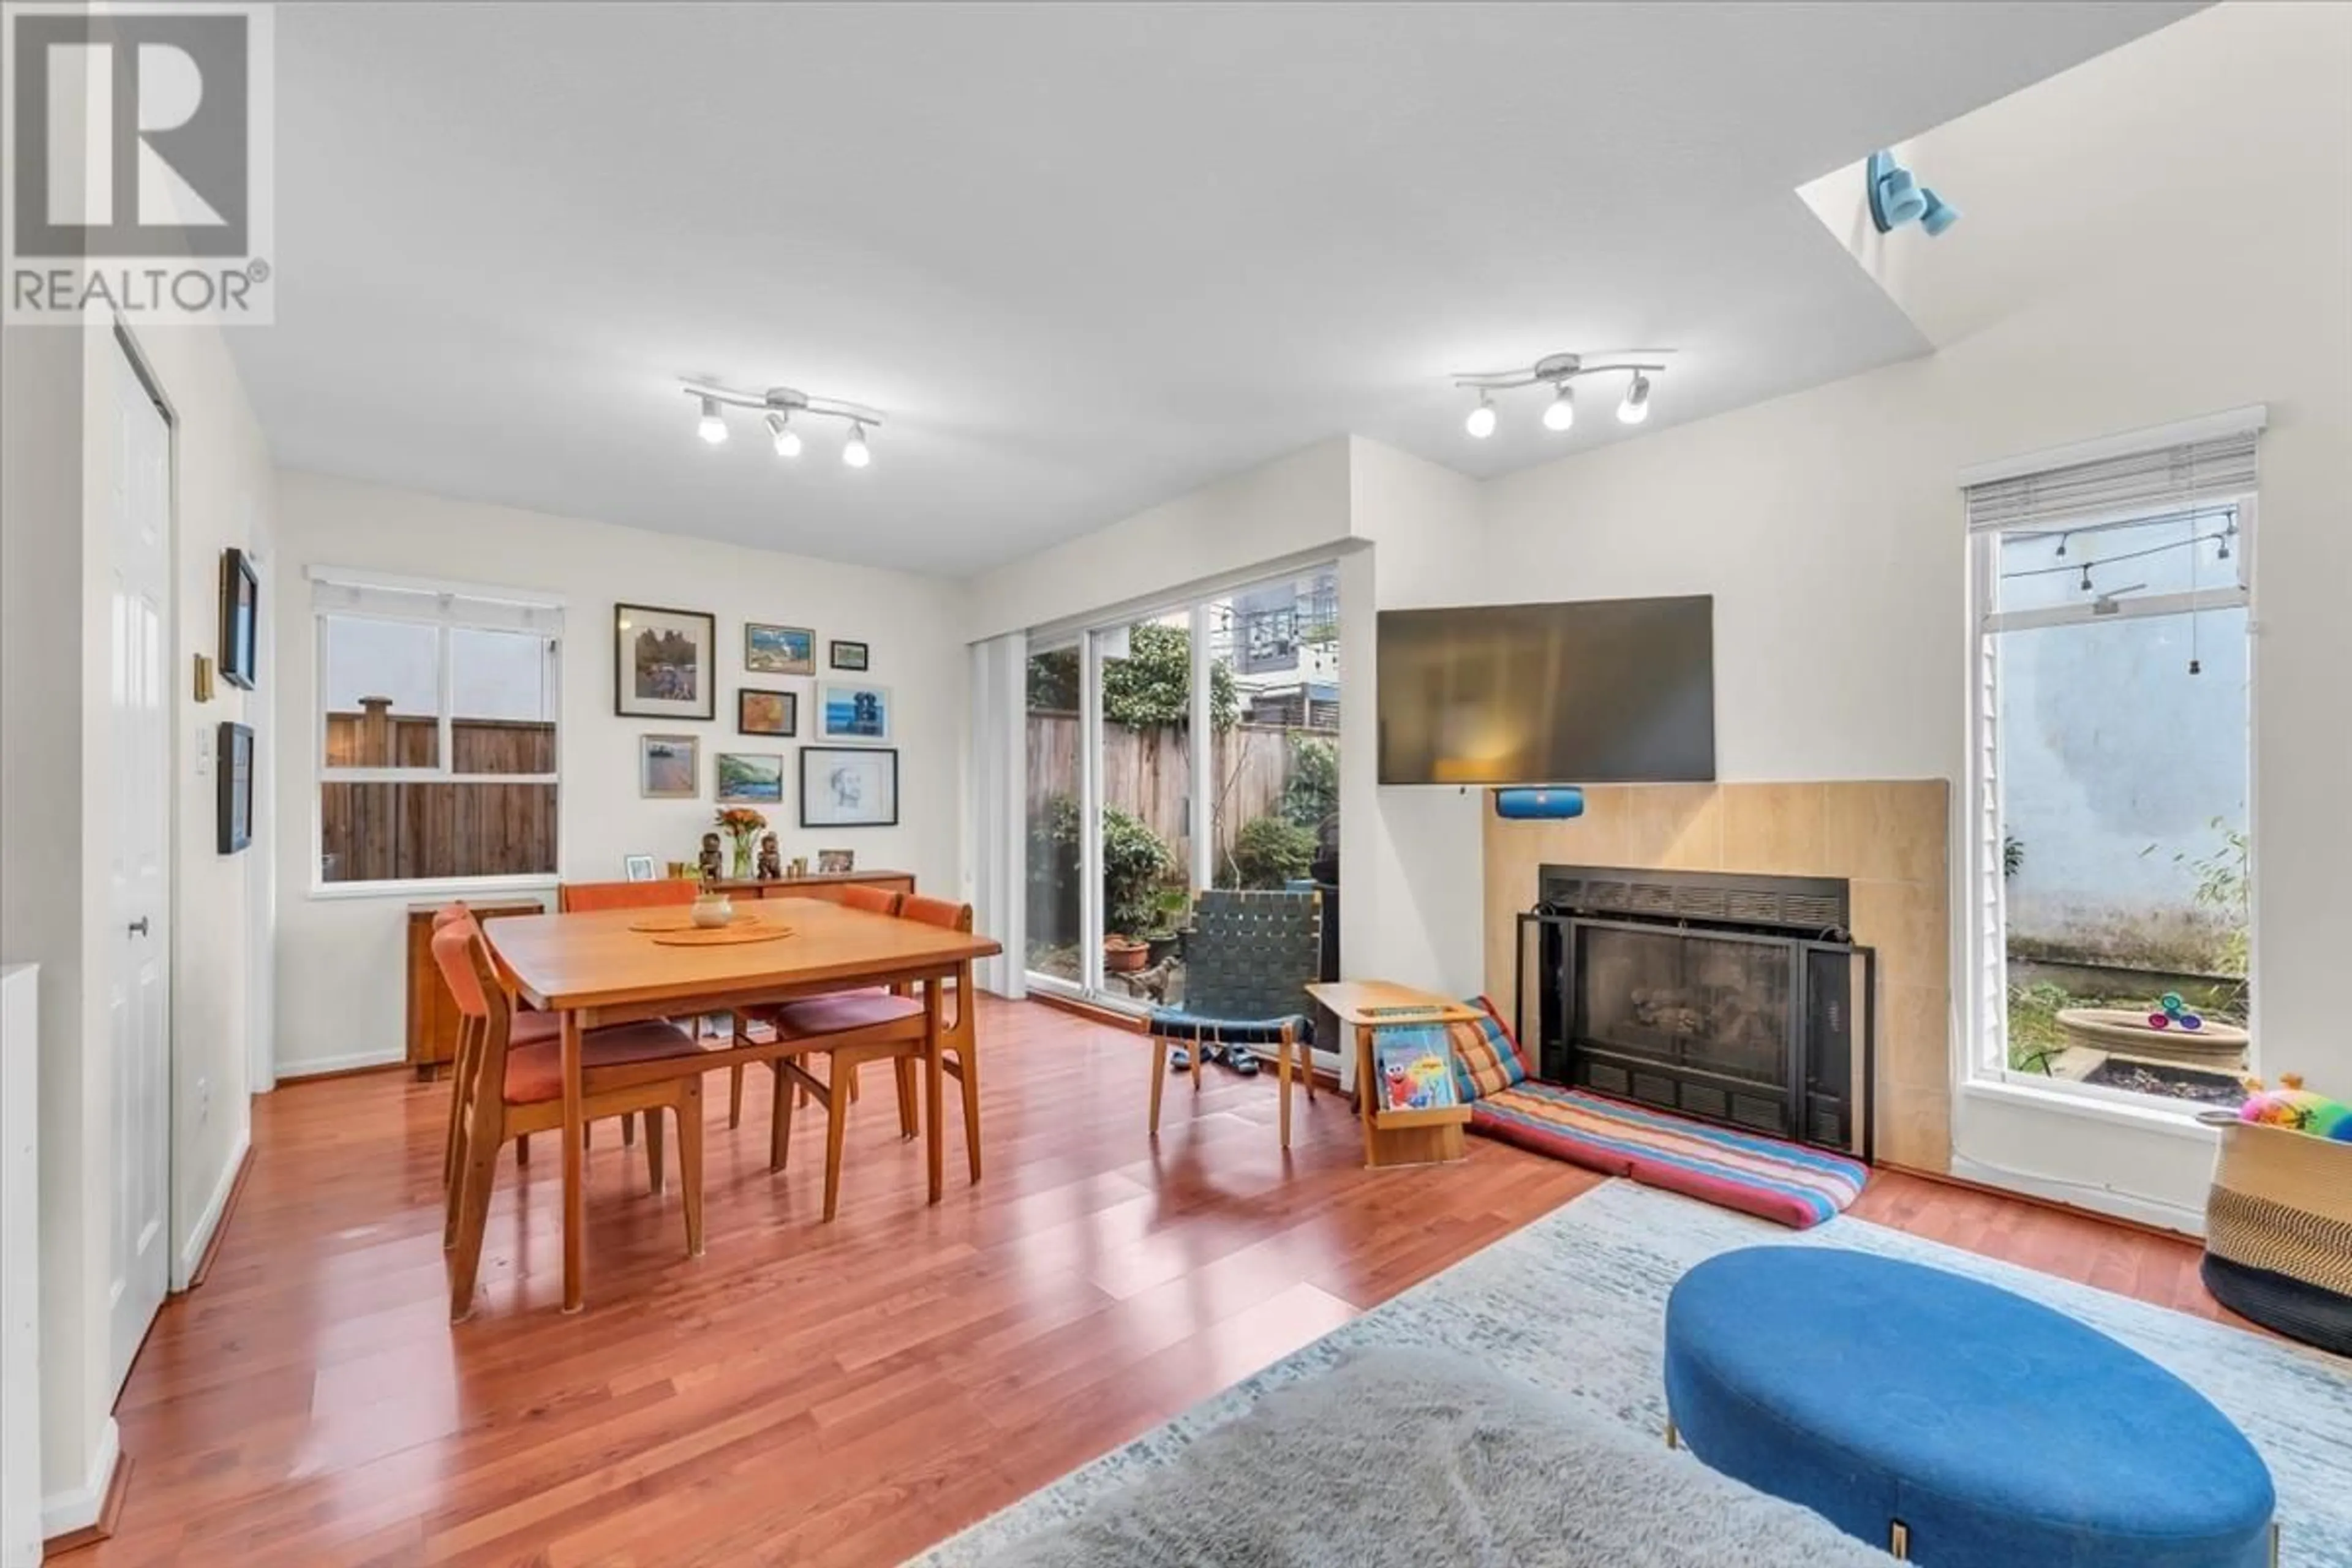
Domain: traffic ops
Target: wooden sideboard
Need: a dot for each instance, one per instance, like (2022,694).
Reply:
(432,1010)
(825,885)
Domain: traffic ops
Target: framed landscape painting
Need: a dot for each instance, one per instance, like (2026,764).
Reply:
(779,650)
(849,786)
(765,712)
(853,711)
(850,655)
(662,663)
(670,767)
(747,778)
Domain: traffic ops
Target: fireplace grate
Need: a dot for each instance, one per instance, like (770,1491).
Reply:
(1727,997)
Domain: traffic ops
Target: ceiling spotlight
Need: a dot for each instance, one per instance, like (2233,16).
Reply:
(1636,405)
(1559,414)
(1896,197)
(786,412)
(1559,373)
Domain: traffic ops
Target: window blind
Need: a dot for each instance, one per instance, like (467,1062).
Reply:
(495,609)
(2182,474)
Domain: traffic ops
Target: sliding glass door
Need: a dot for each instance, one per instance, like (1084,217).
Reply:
(1190,746)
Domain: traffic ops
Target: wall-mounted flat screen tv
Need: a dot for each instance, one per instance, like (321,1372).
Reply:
(1600,692)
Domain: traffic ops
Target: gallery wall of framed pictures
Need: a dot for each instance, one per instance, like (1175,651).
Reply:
(668,665)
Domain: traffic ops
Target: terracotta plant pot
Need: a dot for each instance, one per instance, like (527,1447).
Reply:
(1122,956)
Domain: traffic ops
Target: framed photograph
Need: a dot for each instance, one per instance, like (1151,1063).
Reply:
(759,712)
(235,803)
(670,767)
(849,656)
(853,711)
(751,778)
(779,650)
(663,664)
(240,618)
(837,862)
(639,868)
(849,786)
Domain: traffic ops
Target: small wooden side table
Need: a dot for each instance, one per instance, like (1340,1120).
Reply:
(1395,1137)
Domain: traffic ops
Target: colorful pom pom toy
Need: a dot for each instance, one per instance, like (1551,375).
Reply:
(2296,1109)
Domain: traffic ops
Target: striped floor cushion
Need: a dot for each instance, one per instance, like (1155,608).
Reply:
(1763,1177)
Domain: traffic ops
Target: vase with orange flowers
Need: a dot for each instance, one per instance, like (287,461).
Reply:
(742,827)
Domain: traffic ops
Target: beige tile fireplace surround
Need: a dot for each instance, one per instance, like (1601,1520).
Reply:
(1889,841)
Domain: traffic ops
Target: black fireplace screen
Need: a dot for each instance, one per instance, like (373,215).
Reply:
(1752,1028)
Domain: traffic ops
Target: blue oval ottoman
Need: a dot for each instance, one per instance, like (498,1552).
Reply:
(1956,1423)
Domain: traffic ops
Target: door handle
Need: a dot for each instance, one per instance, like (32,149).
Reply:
(139,926)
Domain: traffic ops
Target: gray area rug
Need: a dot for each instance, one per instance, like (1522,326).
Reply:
(1408,1458)
(1575,1303)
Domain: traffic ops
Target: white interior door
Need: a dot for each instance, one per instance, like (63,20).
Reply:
(139,970)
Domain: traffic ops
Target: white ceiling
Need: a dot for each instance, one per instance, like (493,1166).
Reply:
(1085,257)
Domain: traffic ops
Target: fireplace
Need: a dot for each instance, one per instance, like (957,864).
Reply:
(1729,997)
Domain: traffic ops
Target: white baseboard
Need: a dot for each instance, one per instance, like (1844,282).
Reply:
(2136,1207)
(183,1267)
(310,1067)
(78,1507)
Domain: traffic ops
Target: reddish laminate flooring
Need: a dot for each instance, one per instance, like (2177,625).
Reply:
(825,1394)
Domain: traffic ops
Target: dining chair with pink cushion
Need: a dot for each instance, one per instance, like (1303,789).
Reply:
(872,902)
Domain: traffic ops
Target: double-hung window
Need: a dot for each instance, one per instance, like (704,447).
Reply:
(436,732)
(2110,745)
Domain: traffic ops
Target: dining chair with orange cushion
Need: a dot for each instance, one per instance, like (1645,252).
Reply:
(510,1089)
(527,1028)
(573,898)
(959,1028)
(873,901)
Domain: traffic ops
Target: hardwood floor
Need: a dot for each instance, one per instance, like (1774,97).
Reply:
(803,1394)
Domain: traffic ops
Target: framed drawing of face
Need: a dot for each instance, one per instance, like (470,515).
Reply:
(779,650)
(853,711)
(849,786)
(662,663)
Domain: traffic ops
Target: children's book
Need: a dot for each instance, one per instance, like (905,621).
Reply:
(1416,1065)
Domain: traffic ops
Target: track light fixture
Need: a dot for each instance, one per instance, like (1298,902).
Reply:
(1558,371)
(1896,197)
(777,406)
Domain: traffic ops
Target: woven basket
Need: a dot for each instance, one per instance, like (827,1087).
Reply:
(2278,1231)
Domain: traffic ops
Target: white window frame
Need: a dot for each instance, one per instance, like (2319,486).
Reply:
(1086,634)
(1987,889)
(444,771)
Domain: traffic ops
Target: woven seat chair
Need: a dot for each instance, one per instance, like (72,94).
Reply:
(1248,958)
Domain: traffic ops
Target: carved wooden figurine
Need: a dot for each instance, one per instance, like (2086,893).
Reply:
(712,870)
(770,864)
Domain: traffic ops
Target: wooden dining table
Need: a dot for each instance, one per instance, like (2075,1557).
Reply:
(592,970)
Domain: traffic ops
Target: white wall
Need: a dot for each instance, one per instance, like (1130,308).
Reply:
(1286,507)
(342,994)
(1827,525)
(2188,277)
(56,753)
(1409,913)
